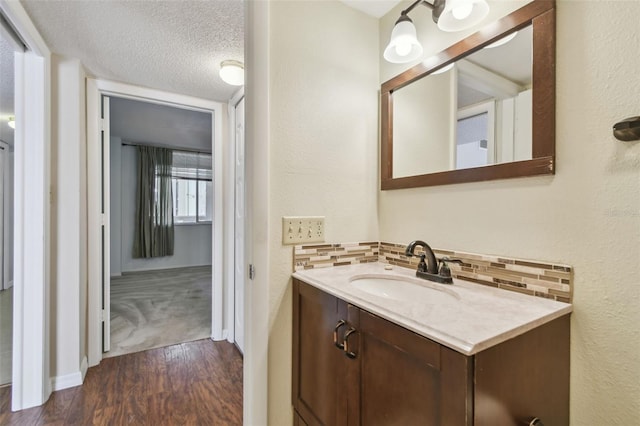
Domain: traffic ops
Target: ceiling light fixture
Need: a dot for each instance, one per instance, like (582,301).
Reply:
(450,15)
(12,122)
(232,72)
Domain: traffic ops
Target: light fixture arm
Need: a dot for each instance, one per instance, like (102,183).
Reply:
(436,8)
(449,16)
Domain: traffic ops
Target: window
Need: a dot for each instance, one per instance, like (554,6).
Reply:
(192,185)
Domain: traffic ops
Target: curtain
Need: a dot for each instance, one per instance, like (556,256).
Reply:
(154,233)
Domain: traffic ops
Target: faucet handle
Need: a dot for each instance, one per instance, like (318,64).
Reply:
(422,266)
(444,270)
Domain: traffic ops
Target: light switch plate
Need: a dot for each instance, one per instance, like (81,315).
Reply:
(302,229)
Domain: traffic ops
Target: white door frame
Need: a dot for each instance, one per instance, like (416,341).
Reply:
(95,90)
(256,297)
(31,385)
(4,169)
(230,212)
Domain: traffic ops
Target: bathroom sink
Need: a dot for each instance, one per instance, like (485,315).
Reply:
(401,288)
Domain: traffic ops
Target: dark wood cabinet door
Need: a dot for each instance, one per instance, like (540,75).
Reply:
(404,378)
(525,377)
(388,375)
(318,365)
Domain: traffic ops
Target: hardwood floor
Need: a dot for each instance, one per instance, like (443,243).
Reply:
(195,383)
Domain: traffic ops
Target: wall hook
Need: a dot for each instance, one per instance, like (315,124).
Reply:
(627,130)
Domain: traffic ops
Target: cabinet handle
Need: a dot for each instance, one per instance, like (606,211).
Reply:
(335,334)
(533,421)
(348,353)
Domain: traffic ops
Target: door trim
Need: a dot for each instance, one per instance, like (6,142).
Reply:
(5,202)
(31,385)
(95,89)
(256,298)
(230,213)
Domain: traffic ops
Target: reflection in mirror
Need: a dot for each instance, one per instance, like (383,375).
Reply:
(478,113)
(528,149)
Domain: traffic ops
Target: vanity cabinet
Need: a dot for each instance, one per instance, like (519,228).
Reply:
(319,366)
(351,367)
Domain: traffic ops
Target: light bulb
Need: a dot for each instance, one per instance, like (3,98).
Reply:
(463,11)
(403,49)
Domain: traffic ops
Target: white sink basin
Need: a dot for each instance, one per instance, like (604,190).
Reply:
(398,287)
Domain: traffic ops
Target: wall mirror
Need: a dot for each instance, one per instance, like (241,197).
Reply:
(483,109)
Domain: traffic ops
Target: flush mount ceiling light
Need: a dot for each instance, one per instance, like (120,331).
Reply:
(232,72)
(450,15)
(12,122)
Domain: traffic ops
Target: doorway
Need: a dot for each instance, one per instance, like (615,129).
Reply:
(31,384)
(159,299)
(6,262)
(8,48)
(98,91)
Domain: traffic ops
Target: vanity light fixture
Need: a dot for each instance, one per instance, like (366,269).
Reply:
(502,41)
(443,69)
(450,15)
(431,61)
(232,72)
(12,122)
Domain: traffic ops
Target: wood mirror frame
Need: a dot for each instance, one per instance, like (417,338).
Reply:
(541,15)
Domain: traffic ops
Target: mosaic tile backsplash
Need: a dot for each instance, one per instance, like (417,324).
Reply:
(327,255)
(542,279)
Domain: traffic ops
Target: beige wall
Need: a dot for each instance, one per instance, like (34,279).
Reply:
(68,222)
(423,113)
(323,106)
(587,215)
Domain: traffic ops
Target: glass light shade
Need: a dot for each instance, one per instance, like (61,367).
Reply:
(444,69)
(459,15)
(502,41)
(404,45)
(232,72)
(12,122)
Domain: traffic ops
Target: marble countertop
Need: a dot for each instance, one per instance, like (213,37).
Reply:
(467,318)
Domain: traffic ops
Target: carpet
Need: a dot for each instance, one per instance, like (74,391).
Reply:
(153,309)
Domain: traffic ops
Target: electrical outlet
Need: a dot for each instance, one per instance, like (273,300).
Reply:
(302,229)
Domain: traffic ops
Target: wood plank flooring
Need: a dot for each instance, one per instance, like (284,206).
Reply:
(195,383)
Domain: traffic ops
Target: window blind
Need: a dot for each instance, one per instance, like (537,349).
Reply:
(191,165)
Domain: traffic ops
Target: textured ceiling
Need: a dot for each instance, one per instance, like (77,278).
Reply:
(175,46)
(6,90)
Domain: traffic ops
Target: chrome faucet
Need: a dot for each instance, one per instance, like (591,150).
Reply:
(431,270)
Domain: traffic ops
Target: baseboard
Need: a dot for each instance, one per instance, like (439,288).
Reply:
(66,381)
(9,285)
(223,337)
(165,269)
(228,335)
(84,366)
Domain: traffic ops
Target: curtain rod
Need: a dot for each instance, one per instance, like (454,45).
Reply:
(197,151)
